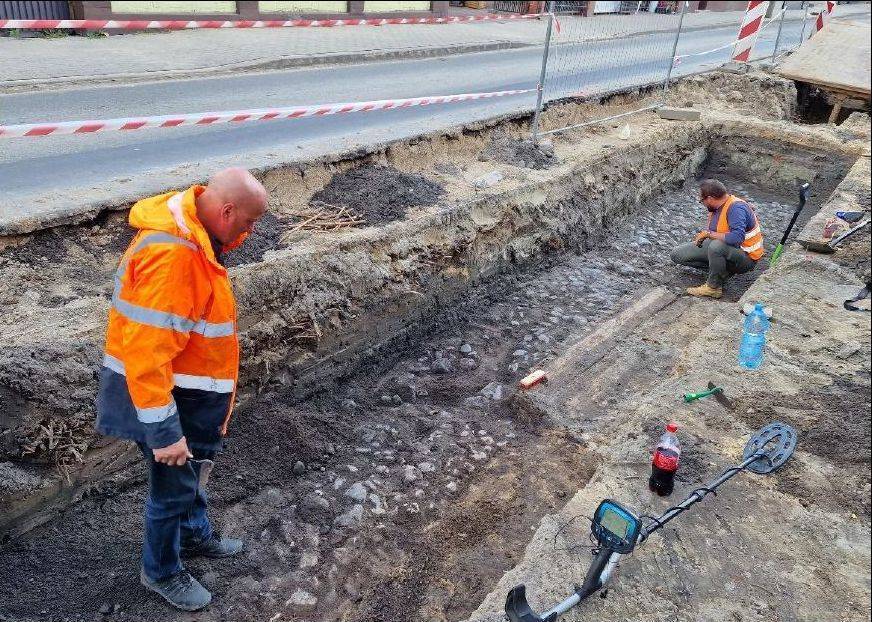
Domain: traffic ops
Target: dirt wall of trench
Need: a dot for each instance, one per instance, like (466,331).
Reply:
(315,307)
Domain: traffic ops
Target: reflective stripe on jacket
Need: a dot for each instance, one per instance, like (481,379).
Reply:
(172,355)
(753,242)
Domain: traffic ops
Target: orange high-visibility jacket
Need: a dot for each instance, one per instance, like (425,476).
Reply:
(753,242)
(172,354)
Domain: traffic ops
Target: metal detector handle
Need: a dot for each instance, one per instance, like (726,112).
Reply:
(593,581)
(804,190)
(803,197)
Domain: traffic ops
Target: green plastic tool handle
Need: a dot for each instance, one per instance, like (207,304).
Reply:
(692,397)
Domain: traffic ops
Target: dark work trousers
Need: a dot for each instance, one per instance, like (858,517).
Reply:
(175,513)
(720,260)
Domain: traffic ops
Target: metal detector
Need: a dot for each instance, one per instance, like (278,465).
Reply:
(617,530)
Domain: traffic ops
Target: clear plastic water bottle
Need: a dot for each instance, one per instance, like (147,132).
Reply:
(753,338)
(664,464)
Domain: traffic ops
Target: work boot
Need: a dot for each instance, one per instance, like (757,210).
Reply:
(706,290)
(181,590)
(215,547)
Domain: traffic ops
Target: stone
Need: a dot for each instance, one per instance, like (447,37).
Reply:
(466,349)
(396,400)
(441,366)
(426,467)
(451,487)
(494,391)
(410,474)
(357,492)
(314,502)
(468,364)
(519,353)
(303,599)
(351,518)
(488,180)
(386,400)
(679,114)
(848,350)
(299,467)
(349,405)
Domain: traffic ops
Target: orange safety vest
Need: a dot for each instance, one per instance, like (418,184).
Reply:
(753,242)
(172,331)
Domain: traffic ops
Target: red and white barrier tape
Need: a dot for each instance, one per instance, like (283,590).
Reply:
(823,17)
(108,24)
(749,30)
(236,116)
(681,57)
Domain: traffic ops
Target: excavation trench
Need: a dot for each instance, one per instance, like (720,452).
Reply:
(376,465)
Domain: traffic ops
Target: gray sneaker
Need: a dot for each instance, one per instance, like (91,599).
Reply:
(215,547)
(181,590)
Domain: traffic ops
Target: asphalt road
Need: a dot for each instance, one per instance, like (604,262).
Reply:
(68,166)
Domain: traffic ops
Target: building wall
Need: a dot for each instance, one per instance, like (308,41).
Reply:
(172,7)
(252,9)
(394,6)
(324,6)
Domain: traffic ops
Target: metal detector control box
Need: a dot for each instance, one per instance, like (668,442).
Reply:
(615,527)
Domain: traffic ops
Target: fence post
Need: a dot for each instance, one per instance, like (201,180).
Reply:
(540,88)
(780,26)
(674,48)
(804,21)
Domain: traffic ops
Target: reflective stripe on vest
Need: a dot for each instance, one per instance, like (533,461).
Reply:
(753,242)
(183,381)
(164,319)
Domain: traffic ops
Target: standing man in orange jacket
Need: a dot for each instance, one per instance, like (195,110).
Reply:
(171,364)
(731,244)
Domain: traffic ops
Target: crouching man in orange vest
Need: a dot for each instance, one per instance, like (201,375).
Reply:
(732,243)
(171,364)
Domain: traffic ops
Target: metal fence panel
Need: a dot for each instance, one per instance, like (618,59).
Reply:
(591,57)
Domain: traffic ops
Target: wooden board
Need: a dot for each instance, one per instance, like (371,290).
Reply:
(838,57)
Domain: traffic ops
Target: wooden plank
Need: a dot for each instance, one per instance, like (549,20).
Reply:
(568,370)
(837,57)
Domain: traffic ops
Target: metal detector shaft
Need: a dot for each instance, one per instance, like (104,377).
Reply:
(698,495)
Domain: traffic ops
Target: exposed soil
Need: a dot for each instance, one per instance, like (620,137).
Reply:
(265,236)
(380,194)
(416,486)
(521,152)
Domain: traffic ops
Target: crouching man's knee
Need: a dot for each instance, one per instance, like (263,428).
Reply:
(717,246)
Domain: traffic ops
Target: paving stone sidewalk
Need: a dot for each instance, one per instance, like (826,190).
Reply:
(27,63)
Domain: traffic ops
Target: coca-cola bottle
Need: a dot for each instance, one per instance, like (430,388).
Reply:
(665,462)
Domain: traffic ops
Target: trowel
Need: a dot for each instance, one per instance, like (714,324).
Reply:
(828,248)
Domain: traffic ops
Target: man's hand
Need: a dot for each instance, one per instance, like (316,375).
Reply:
(173,455)
(701,237)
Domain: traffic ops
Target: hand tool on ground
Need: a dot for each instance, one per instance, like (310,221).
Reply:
(617,530)
(803,197)
(692,397)
(828,248)
(721,397)
(850,217)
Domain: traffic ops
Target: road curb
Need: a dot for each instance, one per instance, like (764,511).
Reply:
(275,64)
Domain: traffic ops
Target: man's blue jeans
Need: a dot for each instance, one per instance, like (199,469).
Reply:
(175,514)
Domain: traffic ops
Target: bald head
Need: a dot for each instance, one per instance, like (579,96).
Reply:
(232,202)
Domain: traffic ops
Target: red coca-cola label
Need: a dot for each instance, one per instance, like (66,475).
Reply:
(666,460)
